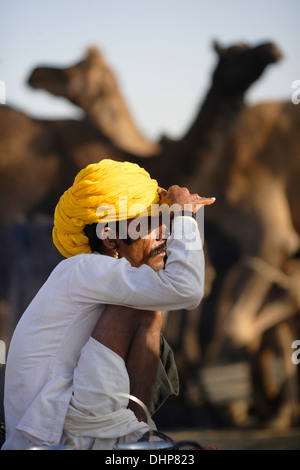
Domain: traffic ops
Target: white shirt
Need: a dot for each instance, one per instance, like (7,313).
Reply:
(47,341)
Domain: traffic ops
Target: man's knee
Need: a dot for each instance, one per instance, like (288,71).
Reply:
(125,319)
(118,325)
(152,319)
(145,318)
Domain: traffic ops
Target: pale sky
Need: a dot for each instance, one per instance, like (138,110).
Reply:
(160,51)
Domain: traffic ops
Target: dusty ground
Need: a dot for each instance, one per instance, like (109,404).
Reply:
(243,439)
(228,387)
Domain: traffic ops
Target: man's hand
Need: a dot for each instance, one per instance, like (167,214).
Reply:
(183,198)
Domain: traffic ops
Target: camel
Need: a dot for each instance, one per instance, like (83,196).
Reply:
(92,86)
(203,146)
(259,195)
(51,152)
(237,68)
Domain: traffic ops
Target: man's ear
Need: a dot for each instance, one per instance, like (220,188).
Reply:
(109,240)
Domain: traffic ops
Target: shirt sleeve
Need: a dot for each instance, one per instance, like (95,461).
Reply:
(103,279)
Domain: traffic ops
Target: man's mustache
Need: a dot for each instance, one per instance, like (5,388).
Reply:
(159,249)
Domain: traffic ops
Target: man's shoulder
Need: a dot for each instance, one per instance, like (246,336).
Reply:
(87,264)
(83,258)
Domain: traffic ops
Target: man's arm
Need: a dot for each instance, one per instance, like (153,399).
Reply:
(179,285)
(110,281)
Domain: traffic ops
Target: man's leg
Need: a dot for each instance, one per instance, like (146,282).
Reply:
(135,336)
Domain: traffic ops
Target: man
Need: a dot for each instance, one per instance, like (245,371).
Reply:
(92,334)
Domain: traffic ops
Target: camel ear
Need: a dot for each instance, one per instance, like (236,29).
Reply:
(219,49)
(93,53)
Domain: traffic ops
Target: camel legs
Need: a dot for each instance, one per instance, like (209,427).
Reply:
(274,377)
(262,327)
(182,333)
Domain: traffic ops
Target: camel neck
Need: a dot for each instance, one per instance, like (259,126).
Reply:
(216,114)
(112,117)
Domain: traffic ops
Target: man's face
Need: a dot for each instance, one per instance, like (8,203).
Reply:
(149,248)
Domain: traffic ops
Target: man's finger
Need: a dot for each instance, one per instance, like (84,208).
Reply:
(205,201)
(162,192)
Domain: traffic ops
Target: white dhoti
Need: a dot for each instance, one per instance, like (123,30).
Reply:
(97,418)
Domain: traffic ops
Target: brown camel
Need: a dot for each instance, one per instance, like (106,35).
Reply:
(198,156)
(258,180)
(257,193)
(50,153)
(237,68)
(93,87)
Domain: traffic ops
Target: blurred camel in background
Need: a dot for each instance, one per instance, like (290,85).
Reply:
(258,178)
(92,86)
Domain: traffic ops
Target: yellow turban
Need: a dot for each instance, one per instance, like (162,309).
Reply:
(107,190)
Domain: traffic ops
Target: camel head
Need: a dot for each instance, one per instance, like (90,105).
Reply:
(239,66)
(80,83)
(92,86)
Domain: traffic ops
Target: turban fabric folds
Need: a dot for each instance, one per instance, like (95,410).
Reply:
(105,191)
